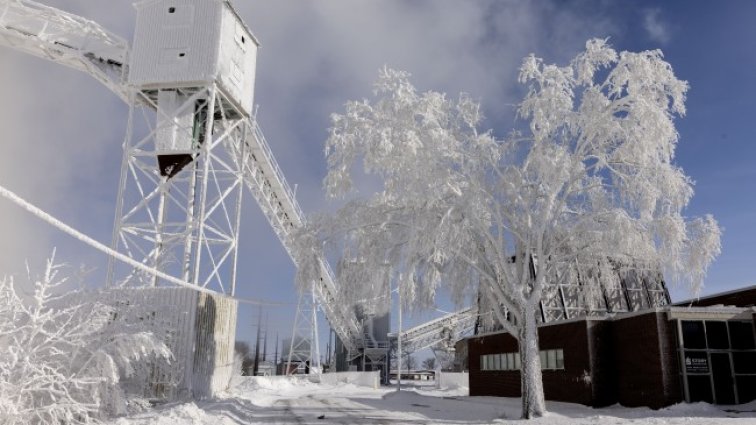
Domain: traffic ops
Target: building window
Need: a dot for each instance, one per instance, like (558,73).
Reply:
(741,334)
(509,362)
(719,360)
(745,362)
(716,335)
(693,334)
(239,36)
(552,359)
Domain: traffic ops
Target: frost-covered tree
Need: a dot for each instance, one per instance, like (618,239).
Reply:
(446,361)
(429,363)
(589,177)
(61,356)
(243,357)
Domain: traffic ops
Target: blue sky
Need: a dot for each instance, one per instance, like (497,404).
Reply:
(62,131)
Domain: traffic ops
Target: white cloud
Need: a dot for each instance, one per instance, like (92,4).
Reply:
(317,55)
(656,29)
(57,126)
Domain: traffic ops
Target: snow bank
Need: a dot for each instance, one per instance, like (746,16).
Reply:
(296,400)
(264,391)
(279,383)
(450,380)
(182,414)
(296,383)
(271,391)
(360,379)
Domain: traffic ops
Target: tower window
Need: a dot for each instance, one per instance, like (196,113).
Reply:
(171,10)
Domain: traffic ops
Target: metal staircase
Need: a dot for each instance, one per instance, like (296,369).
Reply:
(266,182)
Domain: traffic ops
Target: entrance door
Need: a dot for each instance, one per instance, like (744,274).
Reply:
(724,388)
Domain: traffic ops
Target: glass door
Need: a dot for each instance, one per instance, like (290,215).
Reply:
(724,385)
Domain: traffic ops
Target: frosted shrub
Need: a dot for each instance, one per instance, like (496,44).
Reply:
(61,358)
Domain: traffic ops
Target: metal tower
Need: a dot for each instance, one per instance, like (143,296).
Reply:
(192,140)
(179,206)
(179,201)
(304,348)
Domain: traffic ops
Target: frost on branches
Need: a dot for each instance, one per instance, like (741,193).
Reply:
(589,179)
(61,356)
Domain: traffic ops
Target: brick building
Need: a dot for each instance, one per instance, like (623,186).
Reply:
(701,350)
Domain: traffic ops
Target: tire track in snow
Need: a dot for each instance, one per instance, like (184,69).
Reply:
(351,415)
(289,408)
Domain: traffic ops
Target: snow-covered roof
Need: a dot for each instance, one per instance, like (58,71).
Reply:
(718,312)
(717,295)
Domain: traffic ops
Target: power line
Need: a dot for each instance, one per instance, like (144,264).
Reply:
(28,206)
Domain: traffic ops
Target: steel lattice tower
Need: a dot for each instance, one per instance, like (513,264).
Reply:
(191,78)
(178,210)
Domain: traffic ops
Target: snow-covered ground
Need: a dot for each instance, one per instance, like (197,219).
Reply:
(284,401)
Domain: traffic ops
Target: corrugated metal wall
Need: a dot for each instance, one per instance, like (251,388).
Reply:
(175,42)
(214,332)
(237,60)
(200,330)
(193,43)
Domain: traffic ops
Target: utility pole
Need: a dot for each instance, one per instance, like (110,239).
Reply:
(399,341)
(265,341)
(275,357)
(257,344)
(328,350)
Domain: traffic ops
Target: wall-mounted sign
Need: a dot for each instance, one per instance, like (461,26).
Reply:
(696,362)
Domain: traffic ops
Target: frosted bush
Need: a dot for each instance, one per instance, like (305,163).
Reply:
(61,356)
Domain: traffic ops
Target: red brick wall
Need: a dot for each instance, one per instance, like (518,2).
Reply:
(488,382)
(632,361)
(573,384)
(646,365)
(670,361)
(603,363)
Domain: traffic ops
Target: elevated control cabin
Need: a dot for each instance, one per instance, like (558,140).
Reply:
(193,43)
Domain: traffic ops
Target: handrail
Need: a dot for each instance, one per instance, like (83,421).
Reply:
(341,318)
(277,170)
(432,332)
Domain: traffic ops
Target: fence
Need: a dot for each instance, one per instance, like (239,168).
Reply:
(451,380)
(361,379)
